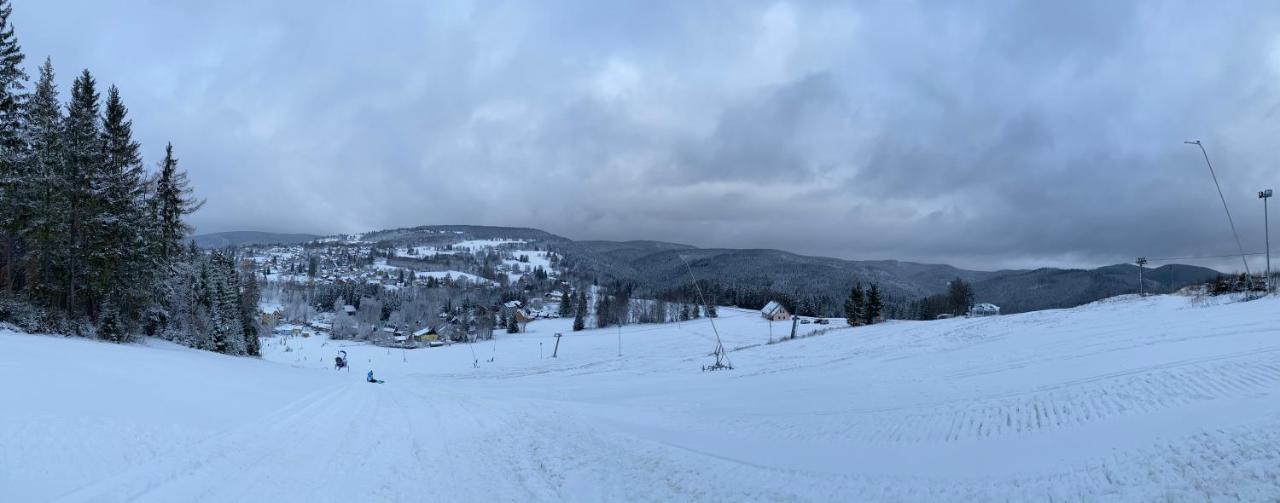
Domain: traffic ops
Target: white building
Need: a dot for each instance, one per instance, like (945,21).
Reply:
(984,309)
(774,311)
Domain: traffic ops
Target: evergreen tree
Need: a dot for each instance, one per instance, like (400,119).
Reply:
(173,200)
(579,318)
(874,304)
(82,159)
(566,305)
(959,297)
(250,296)
(228,324)
(711,310)
(121,264)
(15,178)
(854,306)
(44,165)
(110,326)
(512,326)
(604,311)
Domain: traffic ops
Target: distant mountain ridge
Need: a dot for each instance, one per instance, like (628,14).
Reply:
(659,266)
(241,238)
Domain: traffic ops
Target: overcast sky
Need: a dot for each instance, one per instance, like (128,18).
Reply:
(1016,134)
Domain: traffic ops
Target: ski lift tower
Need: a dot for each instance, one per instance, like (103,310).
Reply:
(722,356)
(1142,261)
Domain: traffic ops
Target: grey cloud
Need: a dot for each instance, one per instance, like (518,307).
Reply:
(985,135)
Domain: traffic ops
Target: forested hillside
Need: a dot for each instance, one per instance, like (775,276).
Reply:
(91,242)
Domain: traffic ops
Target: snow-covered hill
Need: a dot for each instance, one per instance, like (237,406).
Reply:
(1127,399)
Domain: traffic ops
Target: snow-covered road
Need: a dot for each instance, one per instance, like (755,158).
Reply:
(1127,399)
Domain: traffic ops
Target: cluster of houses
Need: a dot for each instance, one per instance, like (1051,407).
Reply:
(452,327)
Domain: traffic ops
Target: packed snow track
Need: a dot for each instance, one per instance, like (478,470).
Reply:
(1127,399)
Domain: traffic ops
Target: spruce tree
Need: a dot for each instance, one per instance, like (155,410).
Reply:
(854,306)
(43,230)
(227,316)
(579,318)
(603,311)
(874,304)
(512,326)
(959,297)
(110,326)
(566,305)
(173,200)
(82,159)
(122,265)
(250,296)
(15,179)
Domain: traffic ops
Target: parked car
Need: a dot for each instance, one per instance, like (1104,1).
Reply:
(822,321)
(805,321)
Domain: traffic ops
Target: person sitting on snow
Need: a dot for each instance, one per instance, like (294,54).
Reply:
(370,378)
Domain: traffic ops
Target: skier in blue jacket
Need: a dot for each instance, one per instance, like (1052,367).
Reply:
(370,378)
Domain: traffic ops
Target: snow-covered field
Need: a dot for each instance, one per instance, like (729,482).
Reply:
(1128,399)
(483,244)
(381,265)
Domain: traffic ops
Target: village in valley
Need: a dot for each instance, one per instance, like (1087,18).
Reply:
(457,290)
(428,287)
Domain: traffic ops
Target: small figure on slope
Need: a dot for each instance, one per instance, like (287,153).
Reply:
(371,379)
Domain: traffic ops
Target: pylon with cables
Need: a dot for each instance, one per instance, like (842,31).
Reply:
(722,356)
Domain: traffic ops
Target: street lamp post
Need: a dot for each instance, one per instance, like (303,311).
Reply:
(1266,225)
(1239,245)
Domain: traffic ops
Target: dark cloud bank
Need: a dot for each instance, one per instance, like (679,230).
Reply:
(984,135)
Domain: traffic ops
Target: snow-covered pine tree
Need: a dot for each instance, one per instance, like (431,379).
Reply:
(566,305)
(874,304)
(854,306)
(82,158)
(227,321)
(44,126)
(580,315)
(122,267)
(250,296)
(959,297)
(173,200)
(179,306)
(15,178)
(604,310)
(110,325)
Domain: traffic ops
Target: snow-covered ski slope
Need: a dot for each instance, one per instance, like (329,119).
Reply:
(1123,400)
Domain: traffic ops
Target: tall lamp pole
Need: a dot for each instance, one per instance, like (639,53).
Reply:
(1227,210)
(1266,224)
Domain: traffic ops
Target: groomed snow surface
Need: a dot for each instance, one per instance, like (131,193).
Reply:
(1130,399)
